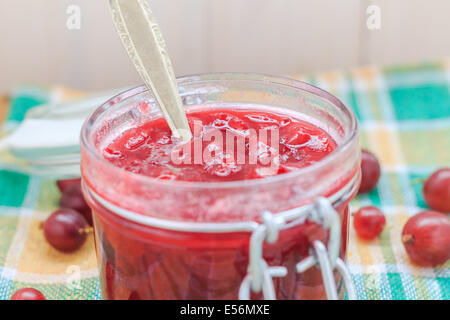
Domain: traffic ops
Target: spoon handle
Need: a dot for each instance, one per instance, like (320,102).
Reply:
(143,41)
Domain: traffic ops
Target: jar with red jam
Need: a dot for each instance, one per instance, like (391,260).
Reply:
(215,227)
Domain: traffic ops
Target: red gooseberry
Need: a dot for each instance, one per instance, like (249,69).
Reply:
(370,171)
(63,184)
(426,238)
(72,198)
(436,190)
(368,222)
(66,229)
(28,294)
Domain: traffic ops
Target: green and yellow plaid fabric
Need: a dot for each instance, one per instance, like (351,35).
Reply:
(404,115)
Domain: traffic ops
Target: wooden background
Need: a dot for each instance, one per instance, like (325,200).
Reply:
(270,36)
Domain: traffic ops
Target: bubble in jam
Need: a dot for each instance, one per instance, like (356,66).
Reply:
(228,145)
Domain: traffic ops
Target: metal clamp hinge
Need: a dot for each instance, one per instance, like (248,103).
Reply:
(260,274)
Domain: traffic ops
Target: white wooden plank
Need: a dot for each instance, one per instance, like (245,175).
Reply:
(269,36)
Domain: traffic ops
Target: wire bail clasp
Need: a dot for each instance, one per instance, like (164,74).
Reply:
(260,274)
(328,260)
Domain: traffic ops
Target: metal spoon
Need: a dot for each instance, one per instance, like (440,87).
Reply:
(142,39)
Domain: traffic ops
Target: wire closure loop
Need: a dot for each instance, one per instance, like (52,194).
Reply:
(267,284)
(324,214)
(258,270)
(259,276)
(321,258)
(329,260)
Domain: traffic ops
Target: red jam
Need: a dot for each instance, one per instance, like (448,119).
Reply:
(147,149)
(144,262)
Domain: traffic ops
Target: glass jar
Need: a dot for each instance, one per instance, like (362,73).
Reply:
(162,239)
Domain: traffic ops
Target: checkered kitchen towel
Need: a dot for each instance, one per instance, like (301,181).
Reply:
(404,114)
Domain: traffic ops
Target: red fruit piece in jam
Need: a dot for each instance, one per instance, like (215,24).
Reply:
(369,222)
(238,125)
(110,279)
(110,153)
(436,190)
(426,238)
(136,141)
(263,120)
(294,135)
(222,165)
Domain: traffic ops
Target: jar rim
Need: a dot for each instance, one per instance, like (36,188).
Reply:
(343,147)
